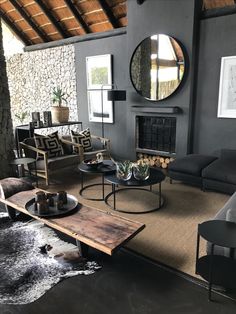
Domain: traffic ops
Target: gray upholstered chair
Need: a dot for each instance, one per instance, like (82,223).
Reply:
(47,166)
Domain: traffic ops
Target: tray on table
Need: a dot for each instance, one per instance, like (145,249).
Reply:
(72,204)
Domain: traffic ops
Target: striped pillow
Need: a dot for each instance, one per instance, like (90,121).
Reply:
(83,138)
(50,143)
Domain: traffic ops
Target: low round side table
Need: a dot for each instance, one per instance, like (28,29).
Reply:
(217,269)
(107,167)
(25,162)
(156,177)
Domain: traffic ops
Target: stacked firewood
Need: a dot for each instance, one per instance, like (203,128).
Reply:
(155,161)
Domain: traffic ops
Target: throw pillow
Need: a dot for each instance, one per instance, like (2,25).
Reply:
(230,216)
(49,143)
(83,138)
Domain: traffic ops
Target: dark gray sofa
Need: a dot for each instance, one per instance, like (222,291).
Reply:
(207,172)
(220,175)
(189,168)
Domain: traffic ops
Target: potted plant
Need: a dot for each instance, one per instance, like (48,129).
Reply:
(60,114)
(22,116)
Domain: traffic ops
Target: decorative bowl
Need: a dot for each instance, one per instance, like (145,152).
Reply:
(92,163)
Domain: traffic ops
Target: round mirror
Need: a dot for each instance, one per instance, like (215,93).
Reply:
(157,67)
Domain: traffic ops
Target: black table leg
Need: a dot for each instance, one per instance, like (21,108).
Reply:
(82,180)
(231,252)
(151,188)
(114,195)
(197,252)
(210,272)
(103,188)
(160,194)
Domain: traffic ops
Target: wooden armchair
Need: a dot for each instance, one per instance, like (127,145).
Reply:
(46,166)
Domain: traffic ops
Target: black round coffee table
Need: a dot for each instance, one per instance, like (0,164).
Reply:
(107,167)
(156,177)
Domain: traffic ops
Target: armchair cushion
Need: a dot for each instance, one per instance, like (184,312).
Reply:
(49,143)
(83,138)
(57,163)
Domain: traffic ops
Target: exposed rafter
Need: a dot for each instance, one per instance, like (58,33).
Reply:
(77,16)
(228,10)
(26,17)
(12,26)
(43,21)
(52,19)
(107,10)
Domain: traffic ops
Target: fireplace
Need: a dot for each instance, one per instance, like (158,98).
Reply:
(156,135)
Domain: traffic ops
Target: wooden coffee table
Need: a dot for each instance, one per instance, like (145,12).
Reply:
(101,230)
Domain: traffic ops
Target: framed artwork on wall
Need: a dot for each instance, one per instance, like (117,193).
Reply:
(227,88)
(99,80)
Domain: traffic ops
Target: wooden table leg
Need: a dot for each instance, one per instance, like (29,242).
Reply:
(83,248)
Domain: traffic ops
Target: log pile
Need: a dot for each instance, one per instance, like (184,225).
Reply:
(155,161)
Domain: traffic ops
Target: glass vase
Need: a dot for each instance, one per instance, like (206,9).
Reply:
(141,171)
(124,170)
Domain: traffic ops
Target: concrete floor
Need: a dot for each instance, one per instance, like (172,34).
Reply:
(126,284)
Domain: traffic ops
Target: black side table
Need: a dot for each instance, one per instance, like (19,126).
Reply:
(25,162)
(217,269)
(107,167)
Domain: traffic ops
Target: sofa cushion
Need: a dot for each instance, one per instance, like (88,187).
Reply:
(231,203)
(228,154)
(57,163)
(222,170)
(191,164)
(231,215)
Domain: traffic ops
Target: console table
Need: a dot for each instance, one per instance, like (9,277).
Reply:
(24,131)
(217,269)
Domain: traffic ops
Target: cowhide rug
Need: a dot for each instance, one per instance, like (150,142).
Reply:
(33,259)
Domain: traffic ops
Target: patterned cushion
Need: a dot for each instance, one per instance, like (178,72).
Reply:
(49,143)
(83,138)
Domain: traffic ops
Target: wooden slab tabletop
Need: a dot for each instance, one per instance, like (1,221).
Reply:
(96,228)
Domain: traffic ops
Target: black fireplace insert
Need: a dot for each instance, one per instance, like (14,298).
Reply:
(156,134)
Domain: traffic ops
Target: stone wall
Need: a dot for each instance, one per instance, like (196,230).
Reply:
(32,76)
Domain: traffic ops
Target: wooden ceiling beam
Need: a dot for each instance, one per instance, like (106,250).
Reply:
(77,16)
(27,18)
(107,10)
(52,19)
(13,27)
(223,11)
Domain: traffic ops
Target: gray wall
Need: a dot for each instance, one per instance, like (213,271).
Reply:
(174,18)
(171,17)
(118,48)
(217,40)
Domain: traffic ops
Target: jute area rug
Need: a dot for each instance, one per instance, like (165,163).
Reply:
(171,232)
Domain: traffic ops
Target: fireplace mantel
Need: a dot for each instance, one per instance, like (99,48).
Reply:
(167,110)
